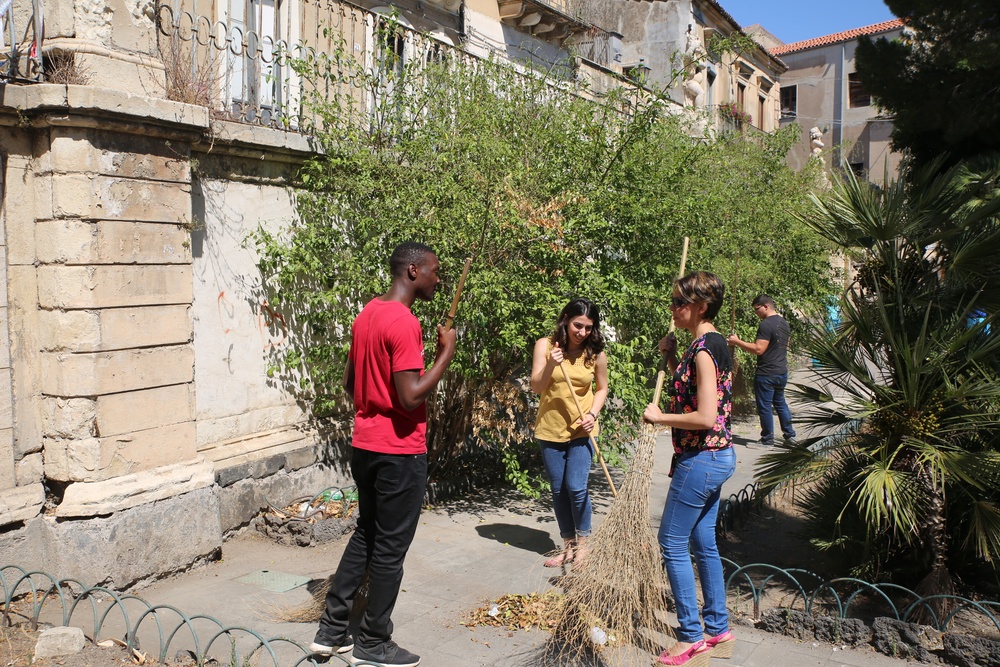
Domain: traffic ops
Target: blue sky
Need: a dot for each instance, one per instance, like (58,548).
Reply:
(796,20)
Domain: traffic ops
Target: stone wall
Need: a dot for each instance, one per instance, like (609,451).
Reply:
(134,399)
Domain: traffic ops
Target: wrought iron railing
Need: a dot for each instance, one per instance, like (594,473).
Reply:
(21,40)
(596,45)
(161,631)
(240,64)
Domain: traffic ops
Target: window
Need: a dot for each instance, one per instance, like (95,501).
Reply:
(741,94)
(789,101)
(761,108)
(253,83)
(858,168)
(859,97)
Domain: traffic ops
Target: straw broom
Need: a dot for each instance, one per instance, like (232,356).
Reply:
(619,590)
(313,608)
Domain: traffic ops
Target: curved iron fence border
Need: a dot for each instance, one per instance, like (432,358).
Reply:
(70,593)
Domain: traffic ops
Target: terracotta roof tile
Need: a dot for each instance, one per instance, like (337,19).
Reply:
(837,37)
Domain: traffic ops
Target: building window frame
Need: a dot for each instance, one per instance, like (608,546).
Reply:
(857,96)
(789,96)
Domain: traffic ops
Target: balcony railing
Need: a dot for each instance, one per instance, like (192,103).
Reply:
(21,40)
(240,63)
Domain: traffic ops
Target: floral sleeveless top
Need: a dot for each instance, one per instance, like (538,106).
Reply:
(684,397)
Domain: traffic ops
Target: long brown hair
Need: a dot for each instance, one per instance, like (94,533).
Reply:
(594,343)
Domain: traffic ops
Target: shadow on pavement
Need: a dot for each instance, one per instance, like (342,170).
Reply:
(523,537)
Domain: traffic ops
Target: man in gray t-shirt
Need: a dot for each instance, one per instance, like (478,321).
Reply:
(771,348)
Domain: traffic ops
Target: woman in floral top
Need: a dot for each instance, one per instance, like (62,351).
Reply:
(699,415)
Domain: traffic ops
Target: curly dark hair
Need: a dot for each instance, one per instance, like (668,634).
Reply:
(409,252)
(594,344)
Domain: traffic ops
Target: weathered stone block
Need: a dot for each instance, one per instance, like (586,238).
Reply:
(8,473)
(840,631)
(25,195)
(970,651)
(91,196)
(59,641)
(4,336)
(72,195)
(79,287)
(59,20)
(29,470)
(68,418)
(145,450)
(123,328)
(69,330)
(140,410)
(66,240)
(905,640)
(113,328)
(68,460)
(3,273)
(121,242)
(100,459)
(21,503)
(6,400)
(24,331)
(71,241)
(125,491)
(111,154)
(788,622)
(99,373)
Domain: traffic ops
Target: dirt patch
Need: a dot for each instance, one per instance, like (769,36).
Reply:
(17,648)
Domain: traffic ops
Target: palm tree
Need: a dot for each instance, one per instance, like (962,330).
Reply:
(906,471)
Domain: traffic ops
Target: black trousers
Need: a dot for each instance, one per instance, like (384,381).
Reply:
(390,495)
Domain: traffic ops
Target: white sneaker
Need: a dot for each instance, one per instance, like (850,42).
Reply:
(323,649)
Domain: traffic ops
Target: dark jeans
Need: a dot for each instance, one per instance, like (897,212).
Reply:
(390,495)
(769,392)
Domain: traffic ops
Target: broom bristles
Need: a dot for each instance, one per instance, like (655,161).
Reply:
(621,589)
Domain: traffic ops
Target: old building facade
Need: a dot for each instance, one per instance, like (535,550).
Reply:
(822,93)
(138,422)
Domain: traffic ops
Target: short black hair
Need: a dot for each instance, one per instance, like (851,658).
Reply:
(409,252)
(763,300)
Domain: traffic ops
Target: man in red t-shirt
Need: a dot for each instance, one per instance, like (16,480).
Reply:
(385,378)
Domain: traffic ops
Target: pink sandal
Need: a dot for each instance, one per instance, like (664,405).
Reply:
(722,645)
(696,656)
(563,558)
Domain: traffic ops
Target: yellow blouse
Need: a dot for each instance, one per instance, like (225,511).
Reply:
(557,412)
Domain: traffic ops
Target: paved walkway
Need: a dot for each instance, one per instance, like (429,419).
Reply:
(463,556)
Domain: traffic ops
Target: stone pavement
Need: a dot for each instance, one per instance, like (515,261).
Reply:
(464,555)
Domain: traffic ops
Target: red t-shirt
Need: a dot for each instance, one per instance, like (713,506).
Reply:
(386,338)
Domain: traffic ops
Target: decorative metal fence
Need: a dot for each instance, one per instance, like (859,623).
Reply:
(21,40)
(241,65)
(37,596)
(34,596)
(847,597)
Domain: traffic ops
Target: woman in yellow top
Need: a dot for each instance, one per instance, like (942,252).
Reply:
(561,432)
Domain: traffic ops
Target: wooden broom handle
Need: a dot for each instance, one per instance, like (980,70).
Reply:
(450,320)
(600,459)
(662,373)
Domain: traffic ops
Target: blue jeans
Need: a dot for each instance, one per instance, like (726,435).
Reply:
(689,520)
(568,468)
(769,390)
